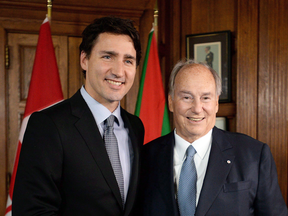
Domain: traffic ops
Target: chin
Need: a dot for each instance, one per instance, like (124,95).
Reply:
(116,98)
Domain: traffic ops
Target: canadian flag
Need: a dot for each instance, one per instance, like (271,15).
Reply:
(44,91)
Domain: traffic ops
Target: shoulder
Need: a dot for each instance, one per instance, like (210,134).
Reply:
(234,137)
(59,111)
(241,143)
(160,143)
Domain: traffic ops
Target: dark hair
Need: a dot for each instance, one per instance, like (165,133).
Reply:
(112,25)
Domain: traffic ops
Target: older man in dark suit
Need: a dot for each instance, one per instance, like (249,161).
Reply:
(199,169)
(81,156)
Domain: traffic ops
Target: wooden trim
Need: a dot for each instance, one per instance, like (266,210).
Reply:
(273,81)
(227,109)
(3,120)
(12,8)
(247,68)
(75,72)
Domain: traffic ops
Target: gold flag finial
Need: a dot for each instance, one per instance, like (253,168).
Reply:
(49,8)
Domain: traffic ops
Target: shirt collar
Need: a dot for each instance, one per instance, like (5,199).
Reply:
(99,111)
(201,146)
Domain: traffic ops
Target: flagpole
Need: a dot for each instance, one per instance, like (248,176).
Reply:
(49,9)
(155,24)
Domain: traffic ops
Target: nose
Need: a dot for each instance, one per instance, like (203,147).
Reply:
(197,106)
(118,69)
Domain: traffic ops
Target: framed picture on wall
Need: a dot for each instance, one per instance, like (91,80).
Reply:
(214,49)
(221,123)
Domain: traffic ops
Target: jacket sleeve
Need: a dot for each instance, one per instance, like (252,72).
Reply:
(38,178)
(269,200)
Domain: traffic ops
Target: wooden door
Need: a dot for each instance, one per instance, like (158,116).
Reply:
(22,52)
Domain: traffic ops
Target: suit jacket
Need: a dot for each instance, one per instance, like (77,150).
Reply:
(64,168)
(241,178)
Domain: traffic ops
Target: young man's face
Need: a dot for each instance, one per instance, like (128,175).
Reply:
(111,69)
(194,103)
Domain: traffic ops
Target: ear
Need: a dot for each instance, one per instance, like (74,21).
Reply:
(217,104)
(84,61)
(170,103)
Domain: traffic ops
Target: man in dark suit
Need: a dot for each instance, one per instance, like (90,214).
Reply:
(235,174)
(64,166)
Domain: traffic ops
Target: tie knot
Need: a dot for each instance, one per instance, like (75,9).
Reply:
(190,151)
(110,121)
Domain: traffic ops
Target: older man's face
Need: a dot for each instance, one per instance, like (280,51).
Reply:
(195,102)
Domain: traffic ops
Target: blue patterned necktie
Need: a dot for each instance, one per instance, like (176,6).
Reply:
(111,145)
(187,185)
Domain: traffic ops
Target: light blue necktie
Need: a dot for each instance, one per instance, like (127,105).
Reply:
(187,185)
(111,145)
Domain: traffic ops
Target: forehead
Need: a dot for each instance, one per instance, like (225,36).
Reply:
(195,76)
(110,38)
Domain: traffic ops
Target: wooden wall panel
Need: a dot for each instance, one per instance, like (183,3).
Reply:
(78,11)
(3,120)
(169,36)
(63,4)
(186,19)
(247,67)
(210,16)
(222,15)
(273,81)
(75,72)
(200,22)
(169,39)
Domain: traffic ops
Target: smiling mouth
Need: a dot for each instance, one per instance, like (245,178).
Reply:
(117,83)
(195,119)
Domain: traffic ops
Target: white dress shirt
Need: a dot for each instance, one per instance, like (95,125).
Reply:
(203,147)
(101,113)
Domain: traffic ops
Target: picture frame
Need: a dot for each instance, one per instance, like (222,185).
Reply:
(221,123)
(214,49)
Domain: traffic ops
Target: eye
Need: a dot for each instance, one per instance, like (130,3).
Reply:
(129,62)
(106,57)
(206,98)
(187,98)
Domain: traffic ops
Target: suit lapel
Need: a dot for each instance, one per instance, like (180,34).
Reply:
(87,127)
(131,196)
(165,169)
(220,161)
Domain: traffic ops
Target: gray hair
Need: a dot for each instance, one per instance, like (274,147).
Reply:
(189,62)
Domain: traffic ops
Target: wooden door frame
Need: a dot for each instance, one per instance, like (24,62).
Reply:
(3,119)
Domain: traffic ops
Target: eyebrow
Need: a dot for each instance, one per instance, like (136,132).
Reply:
(126,56)
(188,92)
(207,93)
(108,52)
(185,92)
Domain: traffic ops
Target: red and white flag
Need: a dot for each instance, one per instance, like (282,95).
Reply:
(44,91)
